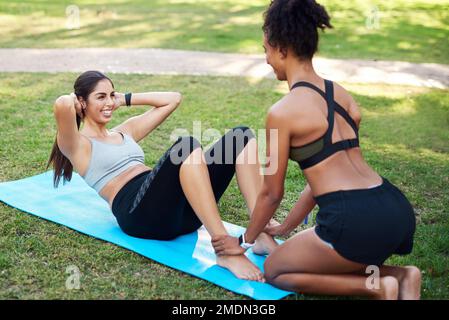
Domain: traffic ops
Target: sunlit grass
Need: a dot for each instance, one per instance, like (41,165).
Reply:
(404,30)
(404,137)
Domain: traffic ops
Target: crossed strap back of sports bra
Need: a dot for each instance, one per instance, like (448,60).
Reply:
(316,151)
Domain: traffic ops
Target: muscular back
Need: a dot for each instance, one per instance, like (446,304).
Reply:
(305,114)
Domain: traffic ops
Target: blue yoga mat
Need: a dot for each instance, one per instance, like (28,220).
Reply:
(79,207)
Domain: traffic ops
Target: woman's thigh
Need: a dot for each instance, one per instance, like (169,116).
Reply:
(159,207)
(307,253)
(222,156)
(220,160)
(161,210)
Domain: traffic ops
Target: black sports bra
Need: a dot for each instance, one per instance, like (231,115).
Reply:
(316,151)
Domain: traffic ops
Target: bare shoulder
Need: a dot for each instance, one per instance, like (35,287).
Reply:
(124,128)
(345,99)
(279,111)
(294,108)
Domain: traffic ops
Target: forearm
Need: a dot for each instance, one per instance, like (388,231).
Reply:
(266,206)
(303,206)
(156,99)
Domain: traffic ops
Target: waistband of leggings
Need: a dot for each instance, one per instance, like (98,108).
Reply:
(333,196)
(124,190)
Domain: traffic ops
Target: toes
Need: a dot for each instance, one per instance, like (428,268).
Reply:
(259,277)
(253,276)
(245,277)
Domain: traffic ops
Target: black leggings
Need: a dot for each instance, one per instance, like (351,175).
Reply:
(152,205)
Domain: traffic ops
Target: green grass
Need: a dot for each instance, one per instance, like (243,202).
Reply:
(404,136)
(410,30)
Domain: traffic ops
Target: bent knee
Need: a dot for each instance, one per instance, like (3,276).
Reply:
(241,128)
(184,147)
(270,270)
(240,136)
(189,141)
(244,133)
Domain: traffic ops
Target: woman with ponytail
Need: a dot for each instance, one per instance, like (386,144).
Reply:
(363,219)
(180,193)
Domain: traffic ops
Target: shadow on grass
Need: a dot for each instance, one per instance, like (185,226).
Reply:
(188,25)
(233,26)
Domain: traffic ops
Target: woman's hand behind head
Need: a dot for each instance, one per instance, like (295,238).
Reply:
(77,105)
(119,100)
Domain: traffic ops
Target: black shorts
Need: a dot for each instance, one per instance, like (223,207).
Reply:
(367,225)
(153,206)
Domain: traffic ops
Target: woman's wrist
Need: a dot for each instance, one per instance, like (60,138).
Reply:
(286,229)
(121,99)
(245,239)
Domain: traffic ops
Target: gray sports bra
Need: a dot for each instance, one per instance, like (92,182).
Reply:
(109,160)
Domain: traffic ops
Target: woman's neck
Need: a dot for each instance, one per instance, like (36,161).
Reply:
(94,129)
(301,71)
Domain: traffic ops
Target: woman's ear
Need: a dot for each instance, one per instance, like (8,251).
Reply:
(83,103)
(282,52)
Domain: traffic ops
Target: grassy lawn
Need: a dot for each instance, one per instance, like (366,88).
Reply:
(404,135)
(410,30)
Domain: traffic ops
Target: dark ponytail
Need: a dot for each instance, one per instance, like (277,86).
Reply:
(294,24)
(84,85)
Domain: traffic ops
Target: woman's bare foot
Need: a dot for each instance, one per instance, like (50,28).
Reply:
(273,223)
(389,288)
(241,267)
(410,284)
(265,244)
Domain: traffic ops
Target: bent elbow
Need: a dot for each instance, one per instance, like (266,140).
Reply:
(64,101)
(62,104)
(177,98)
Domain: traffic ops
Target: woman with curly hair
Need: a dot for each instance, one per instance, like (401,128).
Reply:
(363,219)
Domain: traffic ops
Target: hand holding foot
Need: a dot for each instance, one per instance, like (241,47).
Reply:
(276,229)
(230,255)
(265,244)
(227,245)
(272,223)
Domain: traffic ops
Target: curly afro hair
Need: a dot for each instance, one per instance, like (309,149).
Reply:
(294,24)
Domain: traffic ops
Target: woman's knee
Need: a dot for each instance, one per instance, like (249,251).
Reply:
(243,133)
(236,140)
(190,142)
(270,269)
(184,147)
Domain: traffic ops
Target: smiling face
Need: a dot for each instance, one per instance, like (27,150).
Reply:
(100,102)
(275,58)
